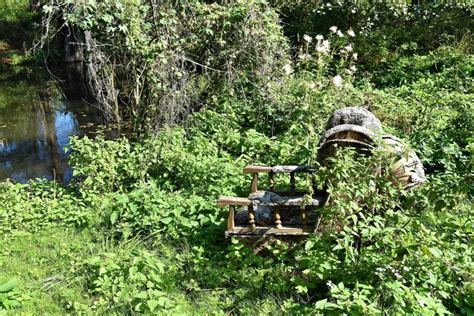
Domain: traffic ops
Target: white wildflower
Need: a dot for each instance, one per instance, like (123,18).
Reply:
(326,44)
(353,11)
(351,33)
(307,39)
(320,49)
(319,37)
(323,47)
(353,68)
(339,33)
(304,56)
(422,303)
(337,81)
(330,284)
(333,29)
(348,48)
(354,56)
(288,69)
(311,85)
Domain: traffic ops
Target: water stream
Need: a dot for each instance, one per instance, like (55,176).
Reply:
(38,118)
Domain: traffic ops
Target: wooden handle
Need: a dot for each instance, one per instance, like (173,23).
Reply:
(231,219)
(277,219)
(254,185)
(257,169)
(251,217)
(230,200)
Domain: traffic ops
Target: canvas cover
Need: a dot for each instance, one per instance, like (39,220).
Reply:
(358,128)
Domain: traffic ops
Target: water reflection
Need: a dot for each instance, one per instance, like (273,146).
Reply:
(36,123)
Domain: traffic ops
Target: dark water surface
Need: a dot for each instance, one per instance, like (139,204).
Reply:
(37,119)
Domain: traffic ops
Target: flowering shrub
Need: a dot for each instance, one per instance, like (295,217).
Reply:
(332,56)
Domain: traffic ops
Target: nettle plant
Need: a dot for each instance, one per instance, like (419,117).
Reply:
(377,250)
(357,261)
(129,280)
(363,198)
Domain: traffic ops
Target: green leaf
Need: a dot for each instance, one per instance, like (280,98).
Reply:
(321,304)
(47,9)
(8,286)
(469,300)
(142,295)
(425,250)
(309,245)
(113,217)
(166,220)
(437,253)
(163,301)
(338,247)
(107,18)
(301,289)
(152,304)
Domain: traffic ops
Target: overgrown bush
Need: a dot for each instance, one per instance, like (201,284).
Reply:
(131,280)
(152,64)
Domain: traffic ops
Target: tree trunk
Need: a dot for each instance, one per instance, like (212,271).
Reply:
(72,47)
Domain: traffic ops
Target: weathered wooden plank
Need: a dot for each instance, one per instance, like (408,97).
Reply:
(257,169)
(230,200)
(254,185)
(278,169)
(268,230)
(231,219)
(257,236)
(270,201)
(293,168)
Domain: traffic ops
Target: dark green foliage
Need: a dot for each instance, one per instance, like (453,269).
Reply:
(131,280)
(151,64)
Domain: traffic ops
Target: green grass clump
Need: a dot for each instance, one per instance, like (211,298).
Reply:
(39,266)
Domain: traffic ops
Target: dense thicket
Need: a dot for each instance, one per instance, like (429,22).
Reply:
(255,82)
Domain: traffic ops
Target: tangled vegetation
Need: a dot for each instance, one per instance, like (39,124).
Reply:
(253,82)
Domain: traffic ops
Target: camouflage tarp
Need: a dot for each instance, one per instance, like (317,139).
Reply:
(358,128)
